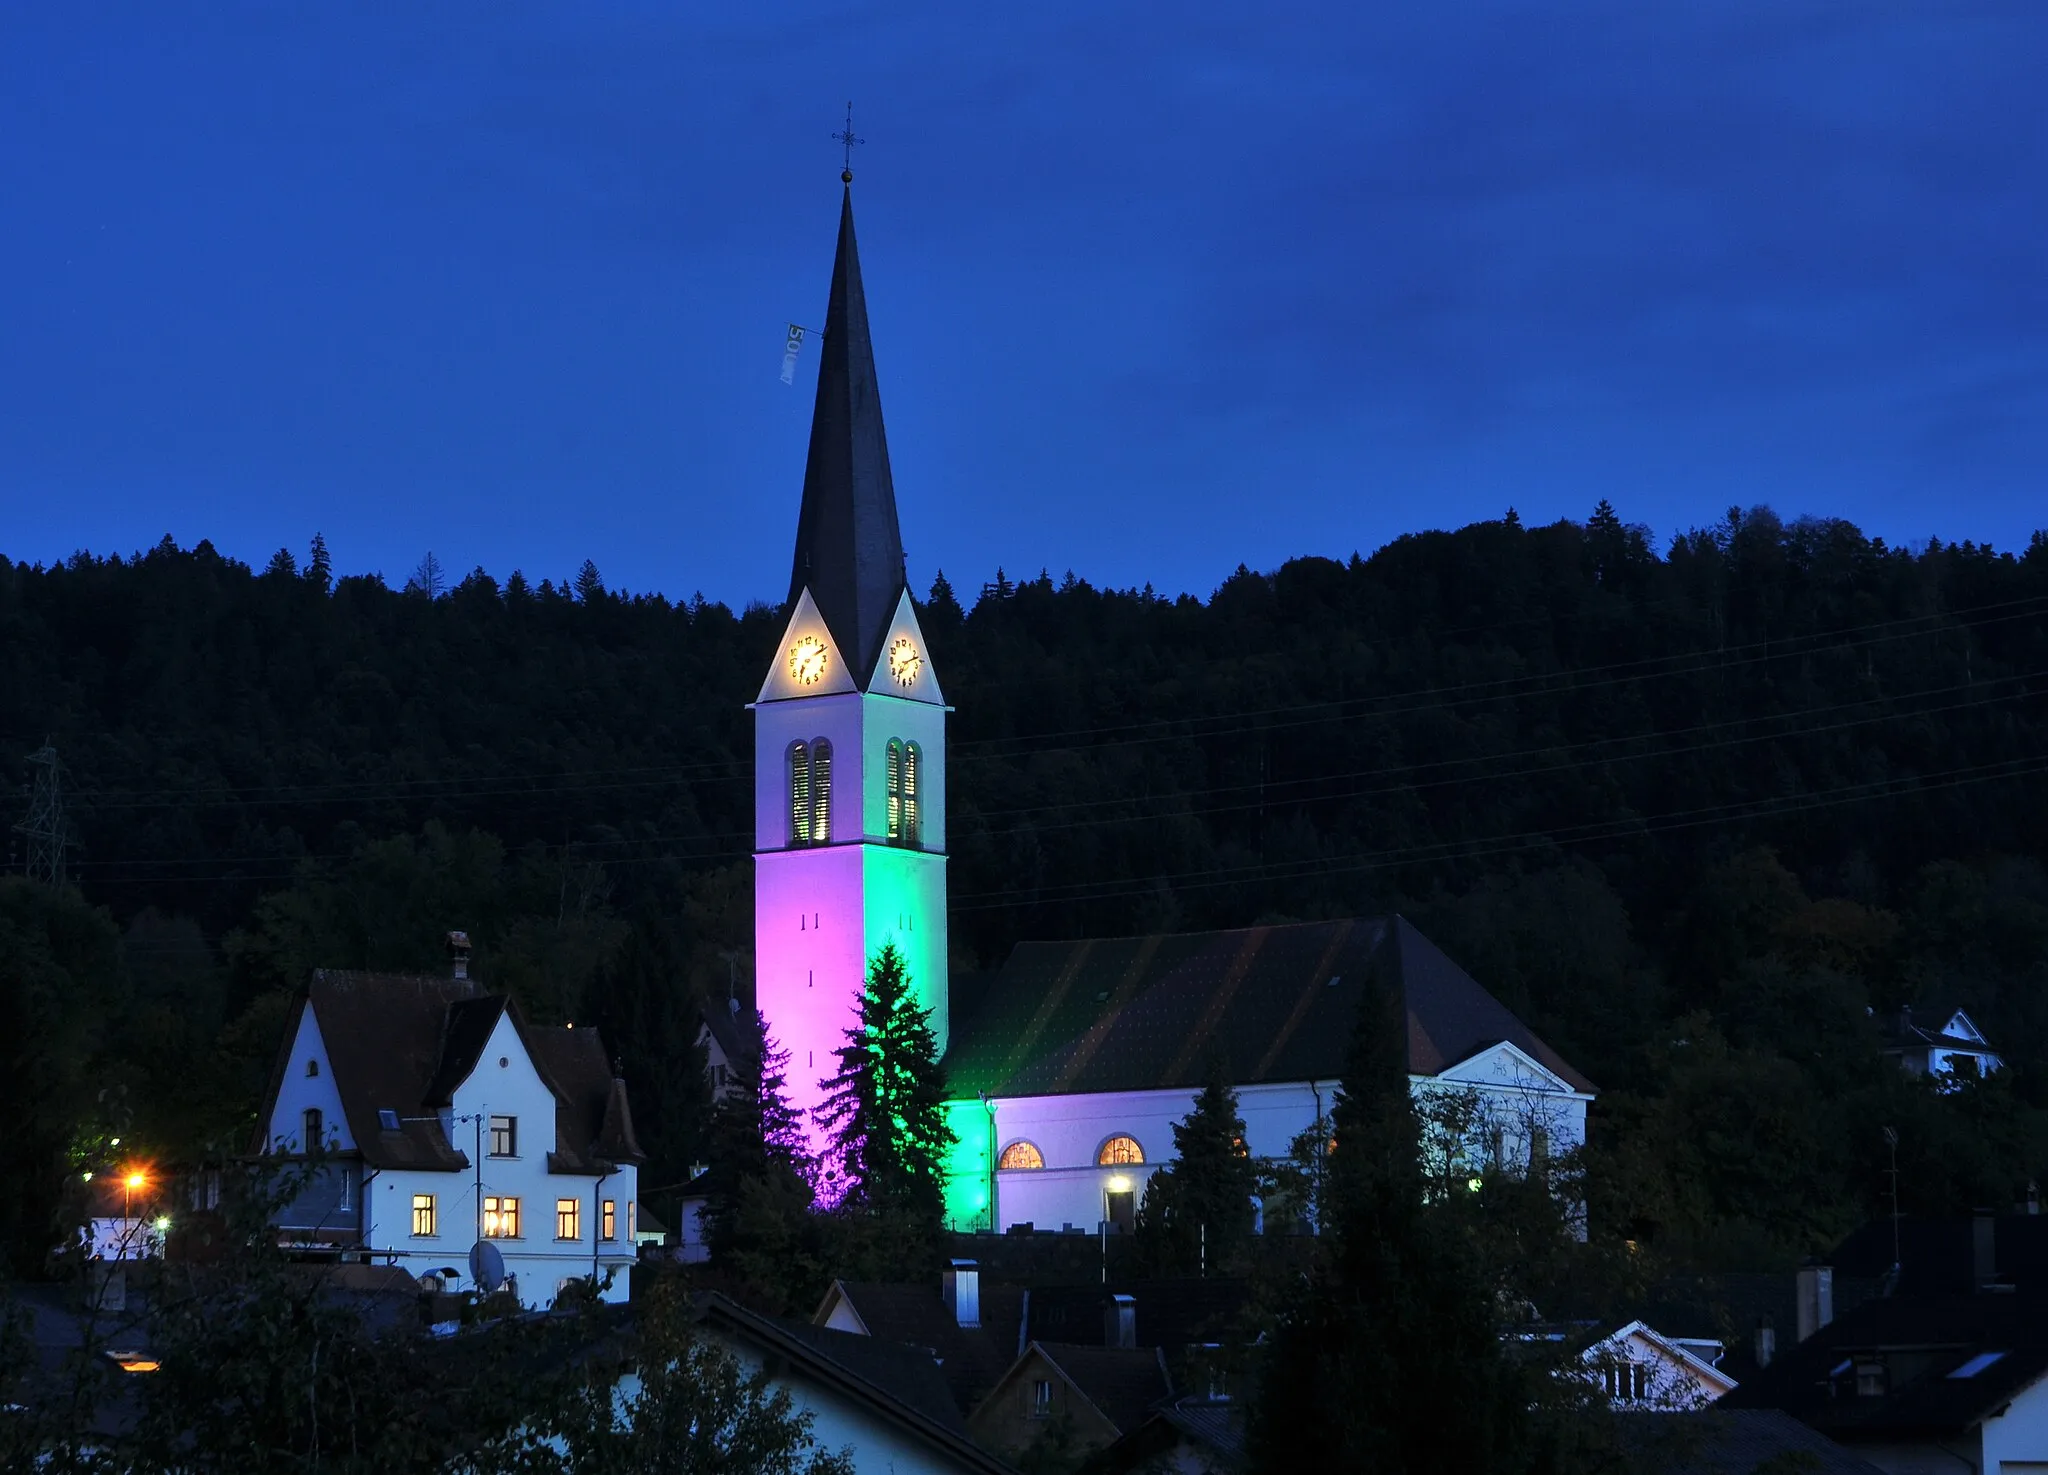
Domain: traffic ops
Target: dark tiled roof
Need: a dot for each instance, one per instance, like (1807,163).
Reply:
(1172,1314)
(889,1385)
(970,1359)
(1919,1341)
(1720,1441)
(1220,1426)
(1278,1002)
(908,1373)
(594,1122)
(849,549)
(1122,1382)
(723,1027)
(403,1043)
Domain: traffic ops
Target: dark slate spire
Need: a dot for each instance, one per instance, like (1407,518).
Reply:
(849,550)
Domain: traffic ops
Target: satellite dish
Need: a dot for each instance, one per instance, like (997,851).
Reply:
(486,1265)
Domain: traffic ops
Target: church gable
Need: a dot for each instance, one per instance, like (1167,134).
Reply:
(807,647)
(904,666)
(1505,1064)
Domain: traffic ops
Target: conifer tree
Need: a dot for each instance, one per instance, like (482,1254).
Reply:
(1389,1358)
(885,1109)
(1197,1214)
(758,1152)
(319,567)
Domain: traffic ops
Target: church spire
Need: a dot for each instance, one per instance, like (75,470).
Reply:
(849,549)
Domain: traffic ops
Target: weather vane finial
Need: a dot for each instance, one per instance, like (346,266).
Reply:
(847,139)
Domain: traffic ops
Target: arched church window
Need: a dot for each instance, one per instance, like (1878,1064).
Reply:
(810,792)
(1021,1155)
(902,765)
(1120,1152)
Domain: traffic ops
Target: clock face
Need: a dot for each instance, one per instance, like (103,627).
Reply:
(904,661)
(807,660)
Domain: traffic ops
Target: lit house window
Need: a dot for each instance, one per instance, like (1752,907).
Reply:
(632,1220)
(422,1215)
(315,1133)
(1021,1155)
(810,792)
(1120,1152)
(501,1217)
(904,761)
(504,1136)
(610,1219)
(568,1218)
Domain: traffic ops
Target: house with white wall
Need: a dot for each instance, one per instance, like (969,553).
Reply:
(1083,1055)
(1942,1041)
(415,1117)
(1637,1367)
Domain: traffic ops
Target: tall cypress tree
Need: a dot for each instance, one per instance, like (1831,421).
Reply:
(1389,1359)
(886,1107)
(1197,1214)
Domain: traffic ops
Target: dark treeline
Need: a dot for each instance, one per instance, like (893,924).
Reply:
(1706,816)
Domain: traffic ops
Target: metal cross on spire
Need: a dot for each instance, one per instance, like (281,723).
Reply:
(847,139)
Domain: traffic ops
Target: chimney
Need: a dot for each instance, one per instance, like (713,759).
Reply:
(458,955)
(963,1292)
(1766,1342)
(1983,1249)
(1120,1322)
(1816,1298)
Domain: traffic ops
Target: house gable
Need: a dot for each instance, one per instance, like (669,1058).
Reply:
(306,1082)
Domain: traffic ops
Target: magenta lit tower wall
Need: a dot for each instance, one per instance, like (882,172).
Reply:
(849,733)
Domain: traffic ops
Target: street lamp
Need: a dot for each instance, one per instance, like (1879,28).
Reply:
(130,1186)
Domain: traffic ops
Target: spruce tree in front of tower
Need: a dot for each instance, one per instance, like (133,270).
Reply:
(885,1116)
(1197,1214)
(758,1223)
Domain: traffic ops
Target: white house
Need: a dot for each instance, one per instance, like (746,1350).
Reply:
(1940,1041)
(1639,1368)
(437,1117)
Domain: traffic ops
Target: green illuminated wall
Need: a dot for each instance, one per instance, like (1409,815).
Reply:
(970,1167)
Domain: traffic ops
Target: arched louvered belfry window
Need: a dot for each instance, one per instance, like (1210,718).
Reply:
(902,765)
(810,792)
(821,791)
(913,763)
(799,793)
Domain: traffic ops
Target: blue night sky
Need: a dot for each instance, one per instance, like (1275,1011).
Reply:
(1154,291)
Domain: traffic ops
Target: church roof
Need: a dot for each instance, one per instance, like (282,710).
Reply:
(1145,1013)
(849,549)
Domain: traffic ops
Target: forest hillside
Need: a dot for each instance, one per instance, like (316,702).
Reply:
(1707,815)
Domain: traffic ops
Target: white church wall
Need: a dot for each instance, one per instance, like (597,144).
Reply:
(1069,1131)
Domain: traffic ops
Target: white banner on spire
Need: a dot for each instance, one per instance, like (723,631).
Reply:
(789,353)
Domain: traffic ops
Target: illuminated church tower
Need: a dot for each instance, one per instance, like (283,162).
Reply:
(849,733)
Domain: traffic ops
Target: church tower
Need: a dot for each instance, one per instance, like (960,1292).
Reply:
(849,733)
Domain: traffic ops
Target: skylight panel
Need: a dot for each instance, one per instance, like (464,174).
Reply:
(1976,1364)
